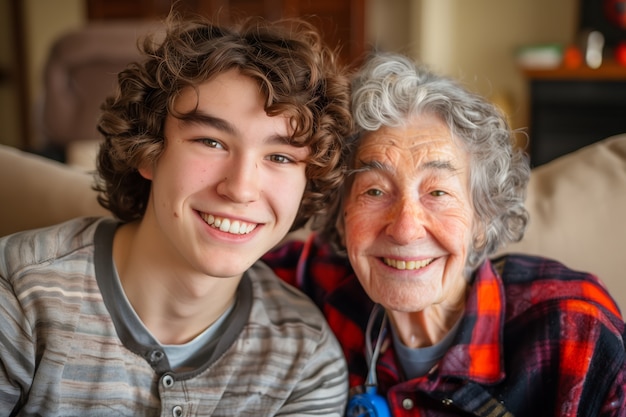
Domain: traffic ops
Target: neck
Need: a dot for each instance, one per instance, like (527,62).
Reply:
(174,303)
(426,327)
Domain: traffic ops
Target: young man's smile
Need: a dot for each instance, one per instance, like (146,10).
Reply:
(225,224)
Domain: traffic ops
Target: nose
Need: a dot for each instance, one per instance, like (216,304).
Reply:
(407,222)
(241,183)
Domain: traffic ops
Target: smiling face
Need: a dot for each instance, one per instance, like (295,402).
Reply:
(227,186)
(408,216)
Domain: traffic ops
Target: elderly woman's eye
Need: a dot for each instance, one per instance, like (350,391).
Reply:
(438,193)
(374,192)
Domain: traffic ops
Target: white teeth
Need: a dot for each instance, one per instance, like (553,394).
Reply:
(235,227)
(404,265)
(224,226)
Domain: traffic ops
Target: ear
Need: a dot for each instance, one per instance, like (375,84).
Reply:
(147,171)
(479,234)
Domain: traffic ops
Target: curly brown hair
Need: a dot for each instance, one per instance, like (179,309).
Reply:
(298,74)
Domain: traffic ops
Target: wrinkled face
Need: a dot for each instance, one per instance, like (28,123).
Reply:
(408,216)
(227,186)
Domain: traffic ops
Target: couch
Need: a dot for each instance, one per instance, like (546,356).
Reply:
(577,205)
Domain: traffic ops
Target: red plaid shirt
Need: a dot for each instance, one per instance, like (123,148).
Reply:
(536,339)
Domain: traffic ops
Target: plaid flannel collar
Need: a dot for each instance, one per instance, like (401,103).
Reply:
(477,354)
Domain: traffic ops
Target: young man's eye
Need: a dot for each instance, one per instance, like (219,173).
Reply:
(211,143)
(280,159)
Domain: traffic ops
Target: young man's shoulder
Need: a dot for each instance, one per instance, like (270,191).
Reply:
(279,303)
(31,249)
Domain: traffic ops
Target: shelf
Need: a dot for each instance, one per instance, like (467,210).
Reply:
(609,70)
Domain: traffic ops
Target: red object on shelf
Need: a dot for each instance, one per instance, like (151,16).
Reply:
(572,57)
(620,53)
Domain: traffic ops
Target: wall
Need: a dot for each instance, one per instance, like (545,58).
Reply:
(388,25)
(475,41)
(9,120)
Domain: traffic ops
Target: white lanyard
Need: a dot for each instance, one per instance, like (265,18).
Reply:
(368,403)
(372,356)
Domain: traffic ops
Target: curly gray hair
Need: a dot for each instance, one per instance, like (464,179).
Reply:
(389,89)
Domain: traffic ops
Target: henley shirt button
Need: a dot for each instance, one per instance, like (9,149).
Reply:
(446,401)
(168,381)
(407,404)
(177,411)
(156,356)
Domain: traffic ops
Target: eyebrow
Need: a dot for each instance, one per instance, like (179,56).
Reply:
(375,165)
(201,118)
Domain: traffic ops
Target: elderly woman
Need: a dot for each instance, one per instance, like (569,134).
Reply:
(435,186)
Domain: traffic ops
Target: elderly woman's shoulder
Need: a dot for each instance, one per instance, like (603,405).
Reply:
(546,285)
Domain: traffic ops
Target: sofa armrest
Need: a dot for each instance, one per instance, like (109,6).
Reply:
(39,192)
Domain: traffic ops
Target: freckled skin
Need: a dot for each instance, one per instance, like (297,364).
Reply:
(416,207)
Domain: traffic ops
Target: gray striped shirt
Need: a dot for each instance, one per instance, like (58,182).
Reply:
(68,349)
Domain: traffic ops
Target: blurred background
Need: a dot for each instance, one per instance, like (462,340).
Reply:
(528,56)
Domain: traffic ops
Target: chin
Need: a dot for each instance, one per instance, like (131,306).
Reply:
(408,300)
(227,269)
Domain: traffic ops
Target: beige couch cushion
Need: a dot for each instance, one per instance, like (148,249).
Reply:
(578,212)
(39,192)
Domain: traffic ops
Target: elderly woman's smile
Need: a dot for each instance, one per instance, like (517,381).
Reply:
(408,265)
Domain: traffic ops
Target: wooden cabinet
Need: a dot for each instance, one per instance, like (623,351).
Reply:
(341,22)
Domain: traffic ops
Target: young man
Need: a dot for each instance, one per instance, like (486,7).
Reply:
(216,145)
